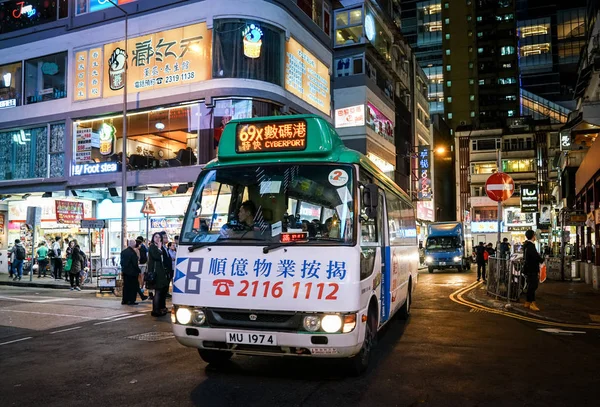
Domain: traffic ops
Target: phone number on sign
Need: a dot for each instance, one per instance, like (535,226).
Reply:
(182,77)
(267,289)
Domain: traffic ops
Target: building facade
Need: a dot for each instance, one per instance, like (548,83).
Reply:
(192,67)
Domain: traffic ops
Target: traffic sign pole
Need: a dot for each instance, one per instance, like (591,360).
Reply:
(500,236)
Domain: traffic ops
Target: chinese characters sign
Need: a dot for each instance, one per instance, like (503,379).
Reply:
(380,123)
(69,212)
(155,61)
(350,116)
(307,77)
(424,187)
(273,136)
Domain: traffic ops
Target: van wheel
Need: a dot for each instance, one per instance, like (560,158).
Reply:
(360,362)
(430,269)
(405,310)
(215,357)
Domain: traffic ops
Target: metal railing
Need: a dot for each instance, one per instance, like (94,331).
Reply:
(500,273)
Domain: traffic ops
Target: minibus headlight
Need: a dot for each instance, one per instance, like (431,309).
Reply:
(457,259)
(331,323)
(428,259)
(312,323)
(184,315)
(349,323)
(199,317)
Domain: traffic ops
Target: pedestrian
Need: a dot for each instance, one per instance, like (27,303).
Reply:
(143,262)
(11,262)
(505,249)
(74,268)
(130,270)
(69,252)
(531,268)
(42,258)
(481,257)
(490,249)
(172,248)
(55,253)
(160,283)
(167,260)
(18,255)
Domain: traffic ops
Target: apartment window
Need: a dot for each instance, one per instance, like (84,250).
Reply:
(480,34)
(472,113)
(483,168)
(510,97)
(449,84)
(447,36)
(469,18)
(449,99)
(446,5)
(479,18)
(507,50)
(470,33)
(471,97)
(507,81)
(349,27)
(507,66)
(505,17)
(370,71)
(511,113)
(446,21)
(46,78)
(482,82)
(471,81)
(349,66)
(448,68)
(470,49)
(449,116)
(480,50)
(486,144)
(525,165)
(571,23)
(447,52)
(471,65)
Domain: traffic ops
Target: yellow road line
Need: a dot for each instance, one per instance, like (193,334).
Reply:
(457,297)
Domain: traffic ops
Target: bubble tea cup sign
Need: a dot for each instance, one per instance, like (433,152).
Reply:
(252,40)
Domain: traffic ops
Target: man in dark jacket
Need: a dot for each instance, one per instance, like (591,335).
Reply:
(505,249)
(130,270)
(531,268)
(480,250)
(167,259)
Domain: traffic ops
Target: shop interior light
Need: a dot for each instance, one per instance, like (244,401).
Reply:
(159,126)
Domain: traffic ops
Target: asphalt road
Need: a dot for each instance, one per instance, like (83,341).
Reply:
(80,351)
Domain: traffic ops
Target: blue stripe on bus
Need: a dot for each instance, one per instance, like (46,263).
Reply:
(385,286)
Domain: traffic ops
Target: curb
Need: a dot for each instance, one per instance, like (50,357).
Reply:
(41,285)
(516,310)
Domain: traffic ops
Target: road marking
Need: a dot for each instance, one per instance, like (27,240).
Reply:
(65,330)
(16,340)
(119,319)
(36,301)
(118,316)
(457,297)
(560,331)
(47,313)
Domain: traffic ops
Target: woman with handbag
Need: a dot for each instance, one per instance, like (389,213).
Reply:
(74,265)
(156,276)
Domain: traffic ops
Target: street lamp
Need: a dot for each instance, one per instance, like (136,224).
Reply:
(124,153)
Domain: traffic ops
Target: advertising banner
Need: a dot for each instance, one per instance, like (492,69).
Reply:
(69,212)
(529,198)
(350,116)
(425,211)
(515,217)
(307,77)
(424,187)
(379,123)
(484,227)
(545,215)
(155,61)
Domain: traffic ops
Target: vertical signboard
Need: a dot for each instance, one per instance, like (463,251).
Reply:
(95,73)
(529,198)
(81,59)
(424,187)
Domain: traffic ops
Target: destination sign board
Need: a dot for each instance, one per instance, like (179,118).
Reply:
(259,137)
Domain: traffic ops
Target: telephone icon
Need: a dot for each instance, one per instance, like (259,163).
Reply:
(222,286)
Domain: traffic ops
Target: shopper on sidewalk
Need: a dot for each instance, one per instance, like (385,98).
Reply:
(69,253)
(531,268)
(505,249)
(156,267)
(143,262)
(167,260)
(19,254)
(42,258)
(77,264)
(481,259)
(56,255)
(130,270)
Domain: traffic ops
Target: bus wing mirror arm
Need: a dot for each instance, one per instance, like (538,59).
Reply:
(370,198)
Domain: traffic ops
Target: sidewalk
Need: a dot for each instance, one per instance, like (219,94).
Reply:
(565,302)
(44,282)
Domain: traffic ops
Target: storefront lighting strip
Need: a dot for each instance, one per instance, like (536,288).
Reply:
(131,114)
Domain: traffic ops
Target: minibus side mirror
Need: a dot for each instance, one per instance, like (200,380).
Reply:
(370,200)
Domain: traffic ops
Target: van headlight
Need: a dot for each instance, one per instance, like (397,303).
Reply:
(312,323)
(199,317)
(331,323)
(183,315)
(428,259)
(457,259)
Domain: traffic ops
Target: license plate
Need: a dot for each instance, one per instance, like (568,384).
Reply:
(442,263)
(252,338)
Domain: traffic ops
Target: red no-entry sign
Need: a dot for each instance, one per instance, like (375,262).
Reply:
(499,186)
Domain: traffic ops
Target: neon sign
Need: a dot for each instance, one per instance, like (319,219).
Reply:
(28,10)
(252,41)
(98,168)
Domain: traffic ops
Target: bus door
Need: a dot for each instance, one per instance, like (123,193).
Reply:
(382,228)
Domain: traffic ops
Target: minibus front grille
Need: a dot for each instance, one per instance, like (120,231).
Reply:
(281,321)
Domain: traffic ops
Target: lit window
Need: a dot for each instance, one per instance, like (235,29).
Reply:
(433,26)
(511,113)
(508,65)
(432,9)
(446,21)
(451,132)
(535,49)
(472,113)
(469,18)
(447,52)
(479,18)
(471,81)
(471,97)
(470,33)
(507,50)
(470,65)
(446,5)
(448,68)
(533,30)
(480,34)
(449,99)
(507,81)
(447,36)
(480,50)
(449,116)
(449,84)
(470,49)
(482,81)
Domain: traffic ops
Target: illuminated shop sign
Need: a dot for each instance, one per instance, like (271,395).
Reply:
(24,10)
(8,103)
(265,137)
(19,14)
(484,227)
(529,198)
(379,123)
(252,40)
(98,168)
(424,187)
(350,116)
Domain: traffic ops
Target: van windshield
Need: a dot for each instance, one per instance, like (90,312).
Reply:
(258,204)
(442,243)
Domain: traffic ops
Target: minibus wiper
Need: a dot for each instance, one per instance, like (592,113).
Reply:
(273,246)
(219,242)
